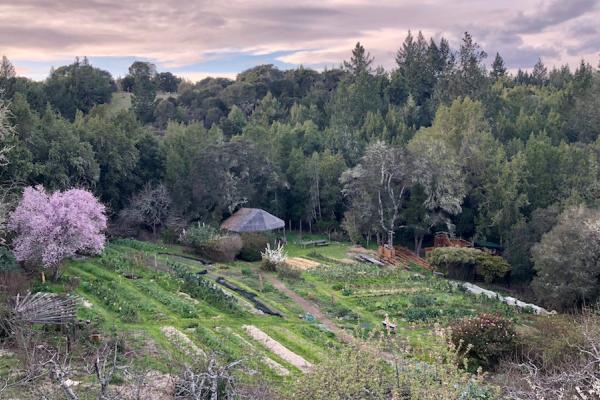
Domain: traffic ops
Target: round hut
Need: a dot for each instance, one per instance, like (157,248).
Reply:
(252,220)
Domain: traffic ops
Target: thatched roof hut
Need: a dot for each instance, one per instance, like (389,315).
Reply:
(252,220)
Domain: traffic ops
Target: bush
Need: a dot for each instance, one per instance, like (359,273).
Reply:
(223,249)
(198,235)
(252,246)
(467,263)
(286,271)
(550,342)
(272,258)
(13,282)
(208,242)
(421,314)
(170,234)
(268,265)
(491,268)
(8,261)
(487,337)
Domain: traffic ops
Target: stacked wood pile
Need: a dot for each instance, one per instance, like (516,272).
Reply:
(406,257)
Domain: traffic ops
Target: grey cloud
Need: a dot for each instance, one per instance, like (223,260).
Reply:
(556,12)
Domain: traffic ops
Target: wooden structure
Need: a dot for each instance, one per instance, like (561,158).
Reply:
(316,243)
(387,254)
(406,257)
(444,239)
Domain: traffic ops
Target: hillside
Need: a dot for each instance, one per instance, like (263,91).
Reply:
(166,310)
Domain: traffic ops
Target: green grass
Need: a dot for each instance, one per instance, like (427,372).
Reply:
(333,250)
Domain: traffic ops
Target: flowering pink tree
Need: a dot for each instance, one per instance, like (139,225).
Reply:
(53,227)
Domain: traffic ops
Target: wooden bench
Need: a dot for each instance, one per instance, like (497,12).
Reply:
(315,243)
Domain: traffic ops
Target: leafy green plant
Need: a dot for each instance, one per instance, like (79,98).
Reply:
(468,263)
(173,302)
(421,314)
(199,288)
(198,235)
(422,300)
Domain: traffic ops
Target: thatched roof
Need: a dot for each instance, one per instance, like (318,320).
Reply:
(252,220)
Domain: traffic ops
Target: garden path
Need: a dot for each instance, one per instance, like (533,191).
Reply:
(310,308)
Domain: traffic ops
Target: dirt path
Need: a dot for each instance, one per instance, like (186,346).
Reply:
(310,308)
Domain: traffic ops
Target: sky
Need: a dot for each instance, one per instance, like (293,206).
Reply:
(199,38)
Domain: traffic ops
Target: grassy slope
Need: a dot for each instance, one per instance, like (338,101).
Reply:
(353,296)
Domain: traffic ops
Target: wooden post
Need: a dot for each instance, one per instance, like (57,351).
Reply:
(43,277)
(260,282)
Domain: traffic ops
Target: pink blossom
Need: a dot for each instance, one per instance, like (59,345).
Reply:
(53,227)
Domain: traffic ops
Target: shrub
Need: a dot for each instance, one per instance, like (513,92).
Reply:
(489,337)
(491,268)
(13,282)
(208,242)
(198,235)
(170,234)
(8,262)
(467,263)
(421,314)
(273,258)
(253,244)
(286,271)
(550,342)
(223,249)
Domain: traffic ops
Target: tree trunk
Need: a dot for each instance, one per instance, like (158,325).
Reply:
(418,244)
(56,273)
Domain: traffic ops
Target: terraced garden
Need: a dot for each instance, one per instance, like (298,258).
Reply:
(169,305)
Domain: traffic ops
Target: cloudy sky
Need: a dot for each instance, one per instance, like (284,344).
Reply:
(197,38)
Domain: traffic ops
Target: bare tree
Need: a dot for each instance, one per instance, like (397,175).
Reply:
(383,175)
(149,208)
(214,382)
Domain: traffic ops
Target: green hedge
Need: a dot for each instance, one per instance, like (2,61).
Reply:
(467,263)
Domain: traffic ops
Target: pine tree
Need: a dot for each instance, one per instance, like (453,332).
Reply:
(360,62)
(539,75)
(498,68)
